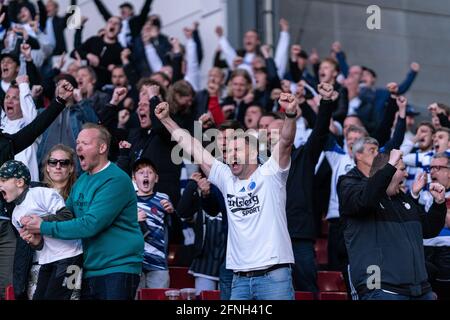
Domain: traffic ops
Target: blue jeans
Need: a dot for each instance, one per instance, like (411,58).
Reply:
(305,269)
(225,281)
(114,286)
(379,294)
(274,285)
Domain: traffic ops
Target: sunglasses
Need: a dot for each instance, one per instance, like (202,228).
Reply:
(54,162)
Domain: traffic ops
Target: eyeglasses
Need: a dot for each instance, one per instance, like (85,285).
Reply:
(438,168)
(63,162)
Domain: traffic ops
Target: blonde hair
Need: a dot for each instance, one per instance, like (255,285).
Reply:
(240,73)
(72,175)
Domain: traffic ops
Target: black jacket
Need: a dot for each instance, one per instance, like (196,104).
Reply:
(302,223)
(59,25)
(156,145)
(136,22)
(12,144)
(386,232)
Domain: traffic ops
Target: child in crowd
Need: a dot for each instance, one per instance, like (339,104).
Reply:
(152,210)
(55,256)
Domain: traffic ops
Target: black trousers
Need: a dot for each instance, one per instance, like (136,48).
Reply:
(7,250)
(438,267)
(51,284)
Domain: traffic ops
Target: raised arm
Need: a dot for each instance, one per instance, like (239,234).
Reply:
(25,137)
(400,128)
(102,9)
(282,150)
(282,52)
(356,199)
(188,143)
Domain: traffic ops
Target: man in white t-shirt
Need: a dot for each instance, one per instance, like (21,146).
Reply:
(259,248)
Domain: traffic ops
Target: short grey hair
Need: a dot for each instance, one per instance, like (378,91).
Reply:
(358,146)
(441,155)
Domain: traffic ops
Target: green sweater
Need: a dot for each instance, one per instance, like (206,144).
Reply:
(105,208)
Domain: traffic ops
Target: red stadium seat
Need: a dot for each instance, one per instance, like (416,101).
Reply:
(300,295)
(180,278)
(321,248)
(9,293)
(331,281)
(152,294)
(210,295)
(333,296)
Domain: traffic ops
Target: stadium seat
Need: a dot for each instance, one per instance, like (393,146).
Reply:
(210,295)
(321,248)
(331,281)
(300,295)
(9,293)
(333,296)
(180,278)
(152,294)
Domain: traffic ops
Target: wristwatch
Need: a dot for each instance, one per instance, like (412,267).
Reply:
(291,115)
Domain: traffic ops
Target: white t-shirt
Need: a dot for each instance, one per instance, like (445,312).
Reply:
(44,201)
(258,236)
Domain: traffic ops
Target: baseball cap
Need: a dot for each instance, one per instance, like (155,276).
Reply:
(411,111)
(15,169)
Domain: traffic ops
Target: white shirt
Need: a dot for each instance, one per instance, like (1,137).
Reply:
(29,112)
(341,163)
(258,236)
(44,201)
(441,240)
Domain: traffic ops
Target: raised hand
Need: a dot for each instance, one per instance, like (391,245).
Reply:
(314,56)
(118,95)
(196,176)
(392,87)
(284,25)
(288,102)
(336,47)
(22,79)
(265,50)
(162,111)
(25,49)
(205,186)
(36,91)
(402,103)
(64,90)
(395,156)
(415,67)
(213,88)
(219,31)
(419,183)
(327,92)
(296,49)
(437,190)
(124,145)
(152,91)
